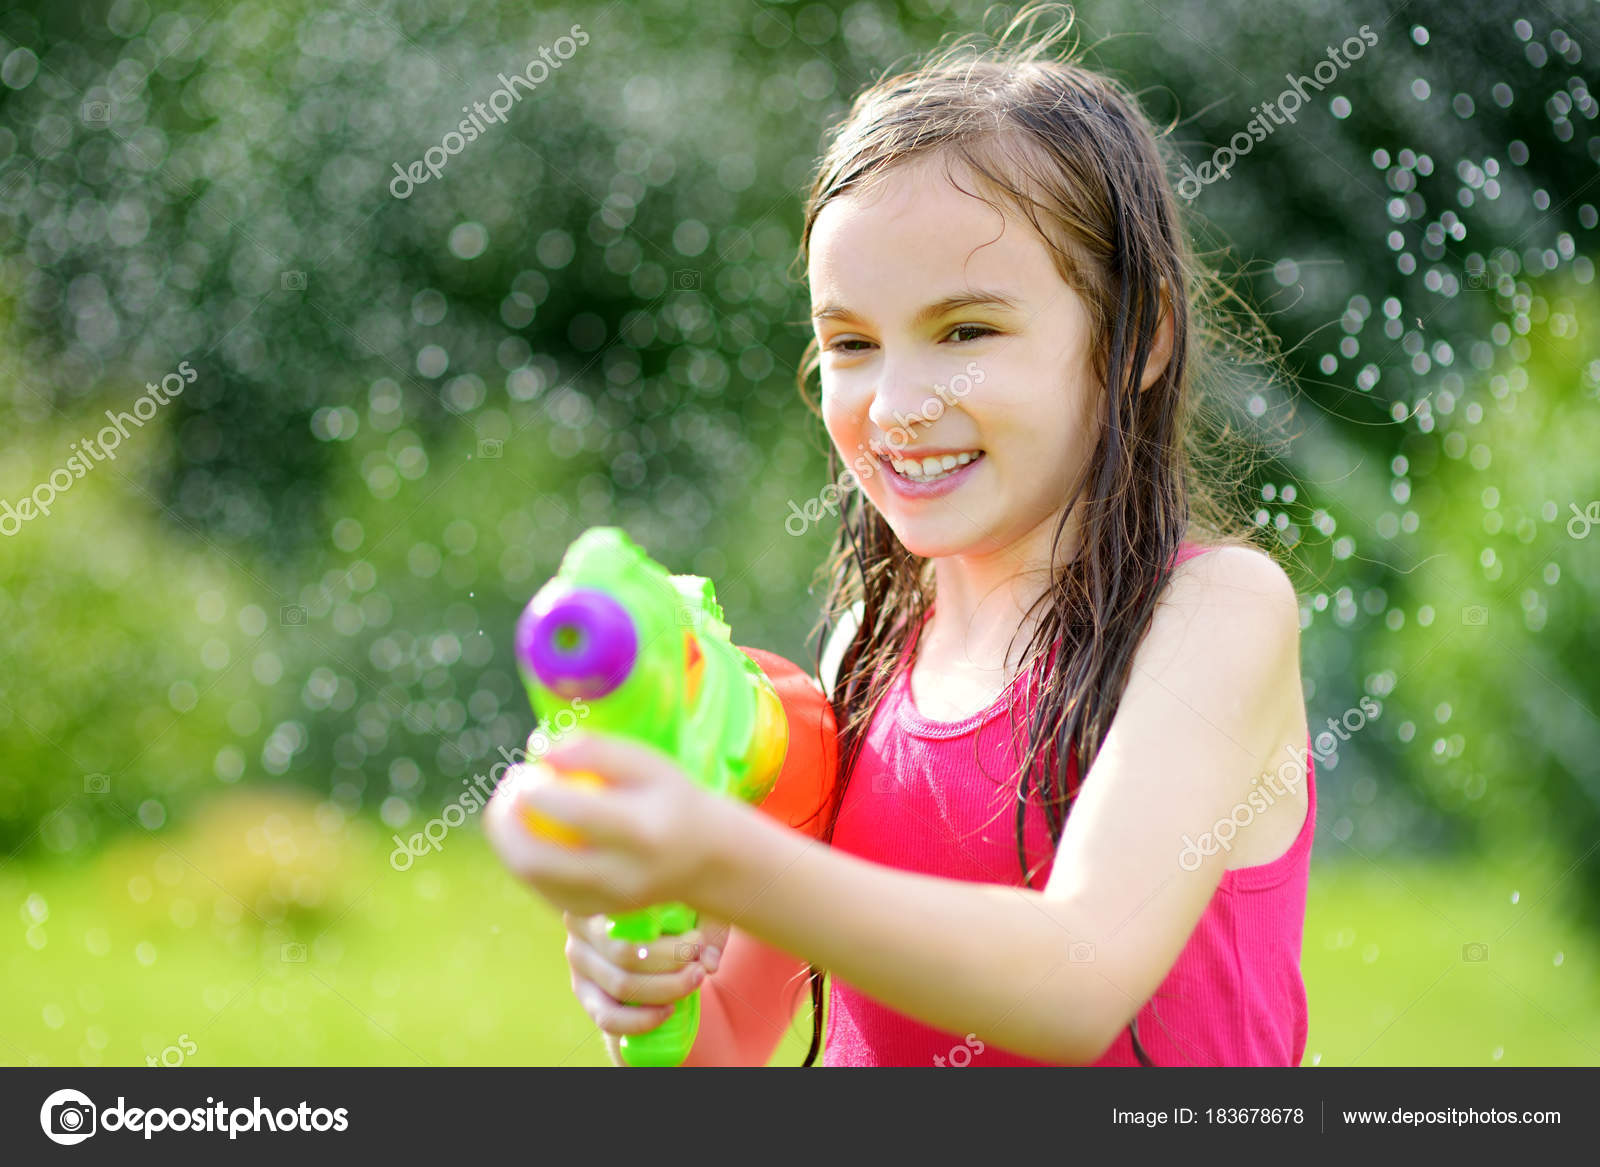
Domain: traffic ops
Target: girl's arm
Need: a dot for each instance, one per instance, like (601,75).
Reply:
(747,1005)
(1213,694)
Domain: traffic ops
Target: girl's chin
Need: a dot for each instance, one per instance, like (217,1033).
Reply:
(938,540)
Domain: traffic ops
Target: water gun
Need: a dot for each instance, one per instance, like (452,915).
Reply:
(650,655)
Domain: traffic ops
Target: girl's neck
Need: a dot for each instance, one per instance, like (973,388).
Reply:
(981,614)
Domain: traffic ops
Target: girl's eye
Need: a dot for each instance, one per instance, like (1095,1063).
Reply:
(973,331)
(848,345)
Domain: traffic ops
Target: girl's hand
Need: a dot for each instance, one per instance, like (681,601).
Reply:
(628,988)
(649,833)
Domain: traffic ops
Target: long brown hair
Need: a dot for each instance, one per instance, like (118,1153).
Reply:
(1069,149)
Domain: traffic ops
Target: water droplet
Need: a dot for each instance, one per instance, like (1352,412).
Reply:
(468,240)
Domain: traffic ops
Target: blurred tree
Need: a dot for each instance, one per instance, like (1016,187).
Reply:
(411,393)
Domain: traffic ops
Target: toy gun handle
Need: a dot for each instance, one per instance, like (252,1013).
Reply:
(669,1043)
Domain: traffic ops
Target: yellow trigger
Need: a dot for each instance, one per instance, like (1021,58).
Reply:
(694,665)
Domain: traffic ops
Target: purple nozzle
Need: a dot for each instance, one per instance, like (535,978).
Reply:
(581,645)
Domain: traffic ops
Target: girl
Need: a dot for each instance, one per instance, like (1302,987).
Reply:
(1074,814)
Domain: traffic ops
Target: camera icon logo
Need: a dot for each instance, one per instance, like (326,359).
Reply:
(294,952)
(884,783)
(1475,615)
(685,280)
(292,615)
(293,281)
(97,113)
(490,447)
(1475,953)
(96,783)
(685,616)
(1081,953)
(67,1117)
(1478,280)
(686,951)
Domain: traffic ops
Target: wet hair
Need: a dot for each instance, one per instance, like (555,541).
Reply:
(1067,149)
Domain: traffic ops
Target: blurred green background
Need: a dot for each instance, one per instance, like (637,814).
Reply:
(274,631)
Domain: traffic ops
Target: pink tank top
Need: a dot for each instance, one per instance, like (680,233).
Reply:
(938,798)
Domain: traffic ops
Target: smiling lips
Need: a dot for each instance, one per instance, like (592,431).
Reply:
(915,475)
(932,466)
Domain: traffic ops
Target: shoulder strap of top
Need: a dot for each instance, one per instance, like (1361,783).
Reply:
(1187,551)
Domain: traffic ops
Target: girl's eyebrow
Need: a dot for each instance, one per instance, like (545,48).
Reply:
(978,297)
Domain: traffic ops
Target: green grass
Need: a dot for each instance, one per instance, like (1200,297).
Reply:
(449,963)
(156,941)
(1388,982)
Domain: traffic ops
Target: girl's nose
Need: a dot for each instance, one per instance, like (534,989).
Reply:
(905,402)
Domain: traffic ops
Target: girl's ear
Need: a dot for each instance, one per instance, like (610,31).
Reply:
(1161,350)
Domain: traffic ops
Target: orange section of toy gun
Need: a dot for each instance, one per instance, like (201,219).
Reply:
(804,788)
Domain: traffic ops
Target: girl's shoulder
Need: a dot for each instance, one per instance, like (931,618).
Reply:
(1202,567)
(1226,606)
(1230,606)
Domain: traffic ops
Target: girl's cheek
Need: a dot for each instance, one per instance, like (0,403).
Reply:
(838,418)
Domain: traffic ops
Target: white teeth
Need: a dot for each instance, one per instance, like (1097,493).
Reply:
(933,468)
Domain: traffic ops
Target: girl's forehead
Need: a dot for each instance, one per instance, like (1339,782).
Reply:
(931,184)
(914,225)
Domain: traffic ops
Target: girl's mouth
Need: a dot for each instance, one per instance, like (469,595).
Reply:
(930,475)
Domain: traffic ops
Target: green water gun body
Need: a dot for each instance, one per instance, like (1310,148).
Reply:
(650,654)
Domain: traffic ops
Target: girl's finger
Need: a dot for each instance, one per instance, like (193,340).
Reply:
(665,954)
(597,817)
(537,860)
(613,1016)
(590,928)
(634,988)
(623,762)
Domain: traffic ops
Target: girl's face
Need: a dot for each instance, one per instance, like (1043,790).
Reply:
(956,381)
